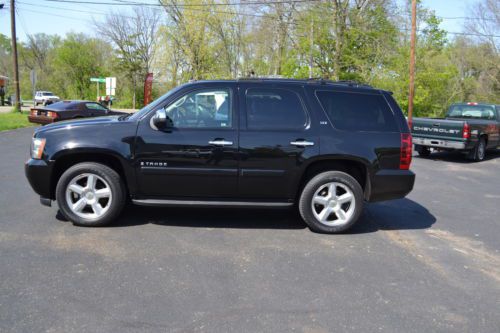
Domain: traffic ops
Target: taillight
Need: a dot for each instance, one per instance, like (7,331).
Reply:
(406,150)
(466,131)
(52,114)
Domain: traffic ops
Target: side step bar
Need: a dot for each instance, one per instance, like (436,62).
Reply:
(199,203)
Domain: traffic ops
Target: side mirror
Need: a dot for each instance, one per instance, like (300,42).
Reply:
(161,122)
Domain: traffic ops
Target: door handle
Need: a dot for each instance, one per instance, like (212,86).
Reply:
(221,142)
(302,143)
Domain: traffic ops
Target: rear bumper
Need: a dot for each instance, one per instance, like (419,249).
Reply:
(391,184)
(38,173)
(438,143)
(40,120)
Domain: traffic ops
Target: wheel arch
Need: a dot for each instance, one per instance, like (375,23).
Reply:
(353,166)
(485,136)
(65,160)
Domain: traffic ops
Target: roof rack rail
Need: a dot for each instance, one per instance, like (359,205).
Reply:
(350,83)
(316,80)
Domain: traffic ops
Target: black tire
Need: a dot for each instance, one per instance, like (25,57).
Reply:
(479,151)
(116,186)
(423,151)
(315,184)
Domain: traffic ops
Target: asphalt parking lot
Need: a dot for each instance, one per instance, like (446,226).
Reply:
(427,263)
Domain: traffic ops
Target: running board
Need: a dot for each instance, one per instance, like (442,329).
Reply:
(199,203)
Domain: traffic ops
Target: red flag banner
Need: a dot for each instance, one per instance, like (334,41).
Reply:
(148,86)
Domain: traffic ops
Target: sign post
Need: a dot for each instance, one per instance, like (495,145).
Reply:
(98,80)
(110,86)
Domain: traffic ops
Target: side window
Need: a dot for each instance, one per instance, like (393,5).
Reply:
(202,109)
(357,111)
(272,108)
(95,106)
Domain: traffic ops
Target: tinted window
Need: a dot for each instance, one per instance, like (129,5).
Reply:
(472,111)
(95,106)
(357,111)
(202,109)
(274,109)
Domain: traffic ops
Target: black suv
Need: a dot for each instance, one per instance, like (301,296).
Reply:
(324,146)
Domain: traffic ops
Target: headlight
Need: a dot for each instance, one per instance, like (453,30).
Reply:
(37,146)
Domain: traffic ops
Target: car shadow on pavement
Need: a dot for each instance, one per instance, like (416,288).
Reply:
(210,217)
(401,214)
(457,157)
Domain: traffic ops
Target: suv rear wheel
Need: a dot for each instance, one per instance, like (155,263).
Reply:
(331,202)
(90,194)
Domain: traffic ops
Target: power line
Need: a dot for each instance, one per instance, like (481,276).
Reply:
(249,3)
(66,9)
(160,9)
(221,12)
(466,18)
(52,14)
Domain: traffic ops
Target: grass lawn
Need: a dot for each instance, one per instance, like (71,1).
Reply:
(13,120)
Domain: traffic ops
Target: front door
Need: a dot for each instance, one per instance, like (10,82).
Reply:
(276,137)
(198,157)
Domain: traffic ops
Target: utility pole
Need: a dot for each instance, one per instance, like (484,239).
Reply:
(412,60)
(14,54)
(311,46)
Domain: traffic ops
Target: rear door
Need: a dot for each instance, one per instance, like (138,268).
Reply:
(360,123)
(276,137)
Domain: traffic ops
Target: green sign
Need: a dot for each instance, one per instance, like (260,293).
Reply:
(97,79)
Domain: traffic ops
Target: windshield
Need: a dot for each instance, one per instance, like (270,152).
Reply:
(154,104)
(472,111)
(48,94)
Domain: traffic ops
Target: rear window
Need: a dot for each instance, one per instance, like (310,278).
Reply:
(273,108)
(64,105)
(472,111)
(357,111)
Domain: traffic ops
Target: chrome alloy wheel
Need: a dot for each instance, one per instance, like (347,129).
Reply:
(88,196)
(333,204)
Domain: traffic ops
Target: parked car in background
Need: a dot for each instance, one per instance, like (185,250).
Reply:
(326,147)
(45,98)
(66,110)
(11,100)
(471,128)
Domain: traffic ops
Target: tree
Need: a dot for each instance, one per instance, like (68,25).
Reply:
(134,39)
(76,60)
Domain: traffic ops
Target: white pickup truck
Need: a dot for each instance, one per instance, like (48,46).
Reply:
(45,98)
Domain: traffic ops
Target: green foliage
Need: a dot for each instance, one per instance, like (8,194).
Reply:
(364,41)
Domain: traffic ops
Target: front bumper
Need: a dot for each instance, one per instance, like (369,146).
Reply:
(391,184)
(40,120)
(438,143)
(38,173)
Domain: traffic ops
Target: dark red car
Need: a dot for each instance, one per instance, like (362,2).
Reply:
(66,110)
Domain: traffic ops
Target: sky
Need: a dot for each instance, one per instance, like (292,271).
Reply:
(35,16)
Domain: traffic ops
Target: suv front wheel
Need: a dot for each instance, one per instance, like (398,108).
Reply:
(331,202)
(90,194)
